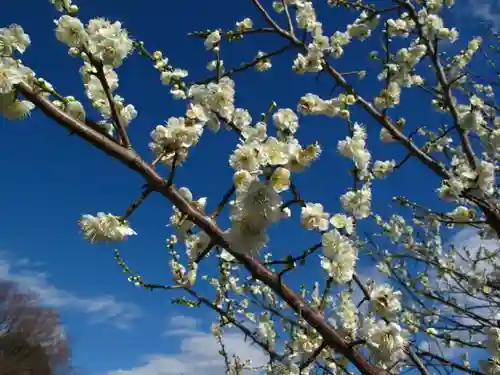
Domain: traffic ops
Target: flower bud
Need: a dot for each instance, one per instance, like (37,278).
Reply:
(74,52)
(344,113)
(75,109)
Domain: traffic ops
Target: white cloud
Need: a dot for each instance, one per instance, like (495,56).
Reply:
(181,325)
(198,352)
(99,308)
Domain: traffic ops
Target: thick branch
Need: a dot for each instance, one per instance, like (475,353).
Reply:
(132,160)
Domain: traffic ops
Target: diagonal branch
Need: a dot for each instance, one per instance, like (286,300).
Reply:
(489,206)
(133,161)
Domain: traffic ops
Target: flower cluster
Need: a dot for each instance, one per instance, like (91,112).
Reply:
(103,45)
(13,39)
(100,40)
(105,227)
(339,256)
(355,148)
(312,104)
(348,314)
(482,180)
(172,141)
(399,73)
(385,301)
(396,229)
(268,156)
(256,207)
(212,102)
(386,341)
(99,86)
(358,202)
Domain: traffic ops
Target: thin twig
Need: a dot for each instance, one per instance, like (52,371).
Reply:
(223,202)
(120,124)
(135,205)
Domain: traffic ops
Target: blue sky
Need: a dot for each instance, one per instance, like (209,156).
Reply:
(50,179)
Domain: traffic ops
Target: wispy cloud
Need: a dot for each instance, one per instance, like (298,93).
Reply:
(198,352)
(101,308)
(486,10)
(467,243)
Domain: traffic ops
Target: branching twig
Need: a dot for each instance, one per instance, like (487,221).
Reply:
(118,119)
(246,66)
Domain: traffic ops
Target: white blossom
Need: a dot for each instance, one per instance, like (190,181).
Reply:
(13,38)
(339,256)
(385,301)
(241,118)
(382,168)
(313,217)
(358,202)
(244,25)
(212,39)
(286,120)
(348,314)
(108,42)
(105,227)
(16,109)
(355,148)
(386,340)
(461,214)
(264,63)
(12,73)
(341,221)
(280,179)
(196,244)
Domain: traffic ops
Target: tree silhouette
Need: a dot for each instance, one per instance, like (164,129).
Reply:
(31,339)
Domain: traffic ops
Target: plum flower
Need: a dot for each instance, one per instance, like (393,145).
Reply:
(105,228)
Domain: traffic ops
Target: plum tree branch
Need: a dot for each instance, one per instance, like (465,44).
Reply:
(115,113)
(133,161)
(489,206)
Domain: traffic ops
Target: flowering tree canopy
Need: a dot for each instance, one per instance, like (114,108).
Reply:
(382,288)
